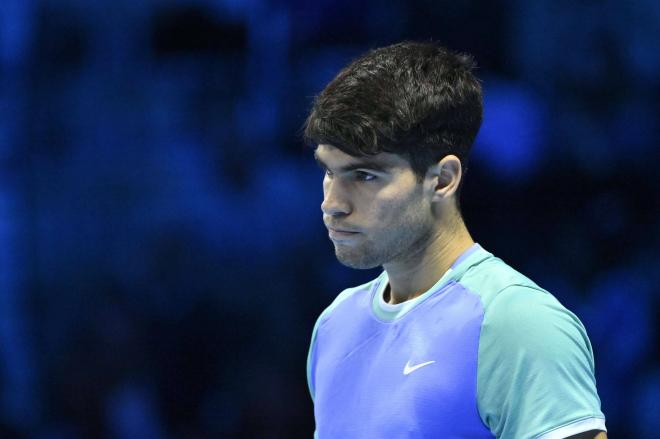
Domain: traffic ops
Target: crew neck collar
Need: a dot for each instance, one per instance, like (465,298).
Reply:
(389,312)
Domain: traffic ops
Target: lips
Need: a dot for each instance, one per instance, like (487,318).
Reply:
(333,229)
(340,233)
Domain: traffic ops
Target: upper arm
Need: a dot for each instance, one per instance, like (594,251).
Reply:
(535,368)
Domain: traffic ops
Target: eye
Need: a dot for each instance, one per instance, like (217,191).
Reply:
(364,176)
(327,174)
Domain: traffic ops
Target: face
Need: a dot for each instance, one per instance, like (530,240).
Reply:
(374,208)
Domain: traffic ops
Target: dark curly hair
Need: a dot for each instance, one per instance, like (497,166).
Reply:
(415,99)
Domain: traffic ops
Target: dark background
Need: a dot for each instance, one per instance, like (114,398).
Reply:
(162,255)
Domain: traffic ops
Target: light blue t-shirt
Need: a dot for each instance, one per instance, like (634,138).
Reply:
(484,352)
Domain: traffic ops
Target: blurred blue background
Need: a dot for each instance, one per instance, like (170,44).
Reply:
(162,255)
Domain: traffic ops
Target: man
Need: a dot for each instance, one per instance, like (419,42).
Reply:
(449,341)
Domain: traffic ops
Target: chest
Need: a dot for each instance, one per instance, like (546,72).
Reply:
(411,378)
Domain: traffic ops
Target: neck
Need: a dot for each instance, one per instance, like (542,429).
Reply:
(420,271)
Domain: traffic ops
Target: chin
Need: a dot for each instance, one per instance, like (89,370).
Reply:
(359,262)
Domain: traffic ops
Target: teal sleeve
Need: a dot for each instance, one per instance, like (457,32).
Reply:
(535,366)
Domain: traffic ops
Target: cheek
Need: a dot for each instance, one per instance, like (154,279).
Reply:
(391,205)
(396,213)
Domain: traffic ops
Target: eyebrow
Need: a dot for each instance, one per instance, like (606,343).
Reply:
(359,164)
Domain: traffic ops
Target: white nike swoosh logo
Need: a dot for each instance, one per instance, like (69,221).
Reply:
(410,369)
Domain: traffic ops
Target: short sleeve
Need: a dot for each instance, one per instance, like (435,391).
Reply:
(535,368)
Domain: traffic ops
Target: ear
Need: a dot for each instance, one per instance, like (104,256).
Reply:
(445,177)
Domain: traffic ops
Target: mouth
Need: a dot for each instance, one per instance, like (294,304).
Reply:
(340,234)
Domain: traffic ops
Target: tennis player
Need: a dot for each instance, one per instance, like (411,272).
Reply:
(449,341)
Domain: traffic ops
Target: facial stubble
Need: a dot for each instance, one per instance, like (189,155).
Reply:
(400,239)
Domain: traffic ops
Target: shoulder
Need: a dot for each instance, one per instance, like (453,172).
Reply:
(535,366)
(346,300)
(342,309)
(349,305)
(513,304)
(492,278)
(522,318)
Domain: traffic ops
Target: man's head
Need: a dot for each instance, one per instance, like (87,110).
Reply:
(394,130)
(417,100)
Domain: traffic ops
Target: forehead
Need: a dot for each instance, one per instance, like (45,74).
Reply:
(333,157)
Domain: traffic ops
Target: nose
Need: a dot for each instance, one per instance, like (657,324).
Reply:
(335,202)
